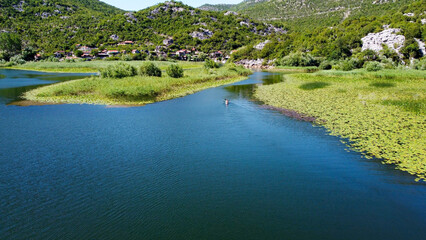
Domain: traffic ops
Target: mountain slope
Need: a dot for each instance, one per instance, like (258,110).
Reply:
(216,7)
(60,25)
(308,13)
(29,8)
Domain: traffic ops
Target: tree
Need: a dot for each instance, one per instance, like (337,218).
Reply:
(78,53)
(10,45)
(411,49)
(28,53)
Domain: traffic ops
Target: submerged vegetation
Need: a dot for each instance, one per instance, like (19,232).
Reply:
(382,114)
(123,86)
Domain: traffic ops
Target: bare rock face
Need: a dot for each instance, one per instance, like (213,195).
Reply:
(203,34)
(261,45)
(422,46)
(258,63)
(20,6)
(114,37)
(389,37)
(165,8)
(230,13)
(130,17)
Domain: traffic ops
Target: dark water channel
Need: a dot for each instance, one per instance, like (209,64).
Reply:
(190,168)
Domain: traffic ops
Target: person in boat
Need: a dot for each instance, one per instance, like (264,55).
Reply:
(226,101)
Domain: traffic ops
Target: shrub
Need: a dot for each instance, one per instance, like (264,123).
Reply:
(29,53)
(111,59)
(419,64)
(387,63)
(51,59)
(18,59)
(151,58)
(126,57)
(299,59)
(119,70)
(175,71)
(373,66)
(69,60)
(150,69)
(325,65)
(346,65)
(209,64)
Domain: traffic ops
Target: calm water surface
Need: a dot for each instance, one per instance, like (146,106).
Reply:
(190,168)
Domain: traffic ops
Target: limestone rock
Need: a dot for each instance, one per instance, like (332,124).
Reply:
(389,37)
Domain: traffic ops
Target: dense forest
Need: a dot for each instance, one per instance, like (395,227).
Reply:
(58,25)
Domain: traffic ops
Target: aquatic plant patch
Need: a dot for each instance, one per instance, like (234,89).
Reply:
(381,114)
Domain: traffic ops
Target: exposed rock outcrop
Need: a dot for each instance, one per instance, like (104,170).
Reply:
(389,37)
(114,37)
(130,17)
(259,63)
(230,13)
(203,34)
(261,45)
(421,46)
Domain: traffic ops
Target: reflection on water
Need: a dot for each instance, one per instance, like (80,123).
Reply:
(192,168)
(273,78)
(8,95)
(247,90)
(15,83)
(242,91)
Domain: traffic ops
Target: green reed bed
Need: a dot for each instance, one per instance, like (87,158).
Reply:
(93,66)
(381,114)
(135,90)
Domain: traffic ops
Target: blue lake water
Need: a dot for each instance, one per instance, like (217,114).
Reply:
(190,168)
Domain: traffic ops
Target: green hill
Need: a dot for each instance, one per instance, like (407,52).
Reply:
(59,25)
(344,40)
(302,14)
(216,7)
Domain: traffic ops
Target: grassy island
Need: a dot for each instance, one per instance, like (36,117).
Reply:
(136,88)
(381,114)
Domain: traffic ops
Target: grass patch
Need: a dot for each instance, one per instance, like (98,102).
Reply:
(382,119)
(135,90)
(410,105)
(313,85)
(94,66)
(382,84)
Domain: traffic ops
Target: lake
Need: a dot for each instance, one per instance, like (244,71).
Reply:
(190,168)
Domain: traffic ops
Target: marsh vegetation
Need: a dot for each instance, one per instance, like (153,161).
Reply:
(123,84)
(380,113)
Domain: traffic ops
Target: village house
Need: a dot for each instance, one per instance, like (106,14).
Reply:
(59,54)
(85,49)
(112,53)
(126,43)
(103,54)
(86,55)
(135,51)
(217,54)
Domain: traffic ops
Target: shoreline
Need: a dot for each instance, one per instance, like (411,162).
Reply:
(46,71)
(31,98)
(291,113)
(370,114)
